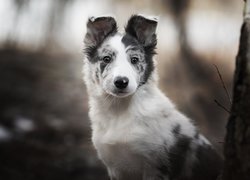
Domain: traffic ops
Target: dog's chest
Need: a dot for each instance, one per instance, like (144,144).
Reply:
(120,156)
(117,142)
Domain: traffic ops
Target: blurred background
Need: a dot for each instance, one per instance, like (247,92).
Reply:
(44,127)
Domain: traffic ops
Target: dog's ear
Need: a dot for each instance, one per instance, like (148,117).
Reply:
(98,29)
(143,29)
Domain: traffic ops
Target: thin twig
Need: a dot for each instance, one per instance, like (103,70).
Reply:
(220,105)
(223,84)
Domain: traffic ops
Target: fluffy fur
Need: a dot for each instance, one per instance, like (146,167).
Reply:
(137,131)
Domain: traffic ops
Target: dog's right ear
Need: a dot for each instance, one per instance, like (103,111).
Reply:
(98,29)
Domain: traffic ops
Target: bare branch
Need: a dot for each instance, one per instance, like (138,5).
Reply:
(223,84)
(220,105)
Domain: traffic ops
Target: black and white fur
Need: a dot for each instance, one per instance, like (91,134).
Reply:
(137,131)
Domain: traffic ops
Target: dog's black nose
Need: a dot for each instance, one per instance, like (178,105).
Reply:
(121,82)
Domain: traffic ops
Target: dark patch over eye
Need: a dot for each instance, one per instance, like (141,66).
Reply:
(104,62)
(106,59)
(103,66)
(134,60)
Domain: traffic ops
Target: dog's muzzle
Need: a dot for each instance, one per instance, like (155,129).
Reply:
(121,82)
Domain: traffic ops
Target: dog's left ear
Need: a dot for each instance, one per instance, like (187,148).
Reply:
(143,29)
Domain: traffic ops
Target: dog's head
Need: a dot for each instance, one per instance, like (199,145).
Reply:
(120,63)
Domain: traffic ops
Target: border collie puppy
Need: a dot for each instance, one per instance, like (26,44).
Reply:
(136,130)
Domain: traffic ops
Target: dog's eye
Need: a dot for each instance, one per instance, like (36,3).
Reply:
(106,59)
(134,60)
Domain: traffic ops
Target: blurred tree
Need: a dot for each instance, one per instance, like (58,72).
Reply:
(237,146)
(19,7)
(53,17)
(179,9)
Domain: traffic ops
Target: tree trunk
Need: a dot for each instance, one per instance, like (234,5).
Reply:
(237,144)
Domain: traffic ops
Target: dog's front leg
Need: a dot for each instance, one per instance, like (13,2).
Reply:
(112,178)
(112,174)
(151,173)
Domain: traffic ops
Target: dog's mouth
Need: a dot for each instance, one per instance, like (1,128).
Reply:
(119,93)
